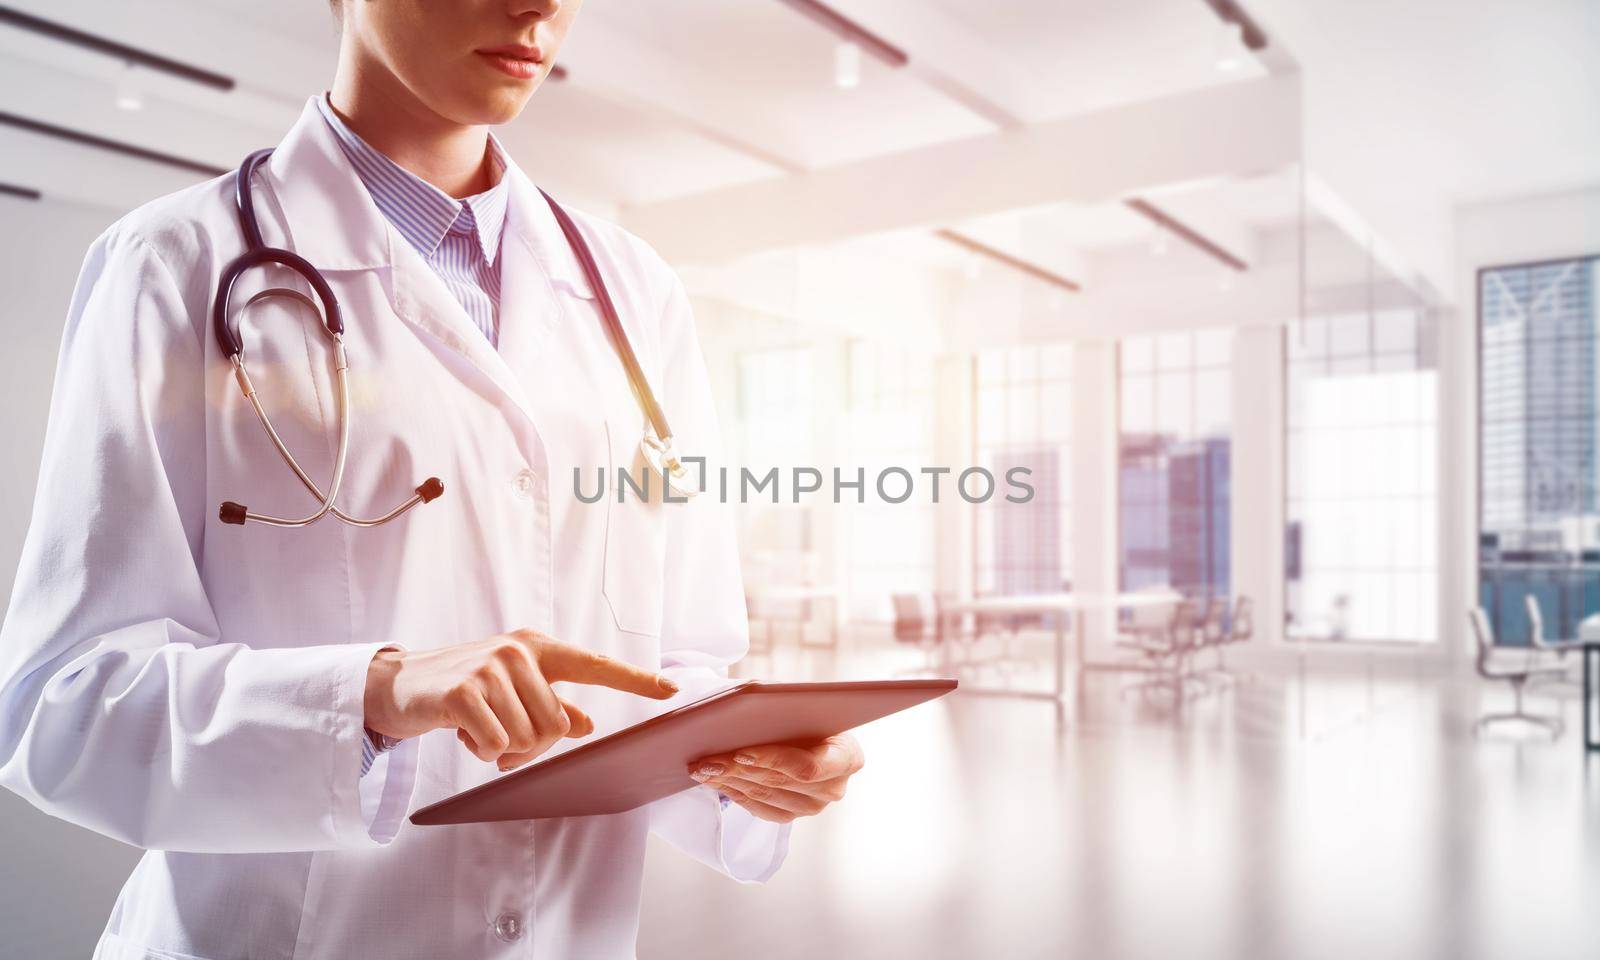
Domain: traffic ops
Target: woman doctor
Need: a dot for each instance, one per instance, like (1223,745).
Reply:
(259,707)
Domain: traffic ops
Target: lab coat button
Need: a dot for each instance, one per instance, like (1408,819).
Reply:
(508,926)
(523,483)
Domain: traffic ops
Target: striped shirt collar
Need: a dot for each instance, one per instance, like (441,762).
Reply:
(420,211)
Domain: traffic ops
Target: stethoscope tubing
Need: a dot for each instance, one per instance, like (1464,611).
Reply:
(342,392)
(225,325)
(257,254)
(658,448)
(288,458)
(608,312)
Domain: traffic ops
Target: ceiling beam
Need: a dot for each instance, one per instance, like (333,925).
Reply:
(849,31)
(113,49)
(1184,232)
(623,69)
(67,172)
(1255,38)
(1223,131)
(944,56)
(109,145)
(286,52)
(1024,267)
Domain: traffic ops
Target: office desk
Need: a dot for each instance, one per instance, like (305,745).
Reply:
(1059,606)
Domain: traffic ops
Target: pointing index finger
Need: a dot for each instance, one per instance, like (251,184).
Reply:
(559,661)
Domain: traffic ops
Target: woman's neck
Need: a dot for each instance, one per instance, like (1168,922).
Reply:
(451,156)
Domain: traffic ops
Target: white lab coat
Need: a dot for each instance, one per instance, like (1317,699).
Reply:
(196,689)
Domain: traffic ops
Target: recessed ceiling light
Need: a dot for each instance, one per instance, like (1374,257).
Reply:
(129,97)
(847,65)
(1230,47)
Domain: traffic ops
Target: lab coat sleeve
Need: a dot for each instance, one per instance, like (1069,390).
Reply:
(704,627)
(122,709)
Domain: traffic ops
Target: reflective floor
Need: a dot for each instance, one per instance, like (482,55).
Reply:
(1282,818)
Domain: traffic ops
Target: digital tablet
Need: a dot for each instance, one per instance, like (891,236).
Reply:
(650,760)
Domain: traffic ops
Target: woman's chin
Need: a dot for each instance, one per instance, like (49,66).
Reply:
(487,106)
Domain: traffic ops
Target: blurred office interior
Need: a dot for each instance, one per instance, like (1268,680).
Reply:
(1290,311)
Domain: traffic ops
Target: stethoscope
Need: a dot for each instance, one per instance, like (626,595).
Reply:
(656,446)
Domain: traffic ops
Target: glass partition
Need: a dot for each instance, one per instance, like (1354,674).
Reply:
(1363,429)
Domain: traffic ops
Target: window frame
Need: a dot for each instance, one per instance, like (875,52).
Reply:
(1476,545)
(1428,324)
(1192,368)
(1068,382)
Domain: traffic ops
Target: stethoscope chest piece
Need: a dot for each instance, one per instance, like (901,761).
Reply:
(239,514)
(665,463)
(325,307)
(656,447)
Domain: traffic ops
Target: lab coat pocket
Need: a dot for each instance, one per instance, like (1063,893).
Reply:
(635,538)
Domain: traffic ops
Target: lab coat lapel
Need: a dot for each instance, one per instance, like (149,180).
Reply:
(534,261)
(422,300)
(528,304)
(324,211)
(330,219)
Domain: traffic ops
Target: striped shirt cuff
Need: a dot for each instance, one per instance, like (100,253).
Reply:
(371,746)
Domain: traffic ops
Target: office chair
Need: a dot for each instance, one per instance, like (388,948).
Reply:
(1147,622)
(1165,653)
(910,618)
(1006,627)
(1556,648)
(1213,634)
(1518,677)
(1241,627)
(1536,637)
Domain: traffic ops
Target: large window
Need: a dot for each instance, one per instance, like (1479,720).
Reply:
(1024,411)
(890,546)
(1539,520)
(1174,461)
(1361,545)
(776,403)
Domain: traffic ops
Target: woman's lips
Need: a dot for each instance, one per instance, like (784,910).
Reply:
(514,64)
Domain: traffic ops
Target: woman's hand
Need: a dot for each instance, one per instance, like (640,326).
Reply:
(496,693)
(779,783)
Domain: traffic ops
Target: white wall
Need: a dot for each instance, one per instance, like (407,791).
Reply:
(1257,473)
(1094,446)
(59,880)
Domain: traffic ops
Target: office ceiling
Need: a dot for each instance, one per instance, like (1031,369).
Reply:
(663,103)
(663,100)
